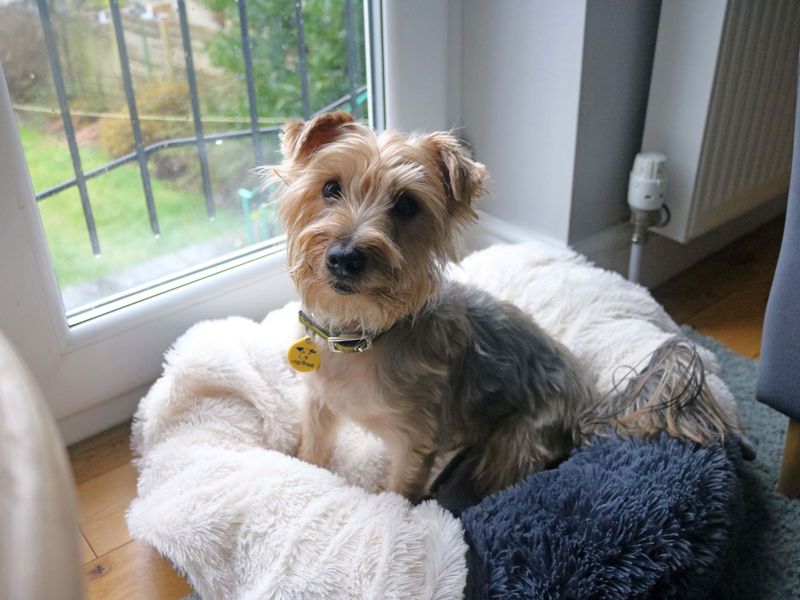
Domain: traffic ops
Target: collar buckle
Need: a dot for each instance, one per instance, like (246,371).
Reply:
(349,343)
(344,343)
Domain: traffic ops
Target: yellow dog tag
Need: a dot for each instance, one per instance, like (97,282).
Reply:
(303,355)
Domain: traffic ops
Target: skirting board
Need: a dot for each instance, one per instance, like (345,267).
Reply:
(609,249)
(664,258)
(101,416)
(491,230)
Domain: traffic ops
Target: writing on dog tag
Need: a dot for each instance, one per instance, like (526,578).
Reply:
(303,355)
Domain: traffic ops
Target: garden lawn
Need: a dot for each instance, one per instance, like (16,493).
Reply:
(120,213)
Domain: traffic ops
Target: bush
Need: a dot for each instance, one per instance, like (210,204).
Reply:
(164,99)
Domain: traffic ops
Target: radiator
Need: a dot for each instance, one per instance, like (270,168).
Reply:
(721,107)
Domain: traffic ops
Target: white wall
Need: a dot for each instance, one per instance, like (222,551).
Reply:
(422,42)
(520,86)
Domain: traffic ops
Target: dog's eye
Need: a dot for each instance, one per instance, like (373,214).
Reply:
(332,190)
(406,206)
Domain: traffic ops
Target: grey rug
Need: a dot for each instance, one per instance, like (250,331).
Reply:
(765,559)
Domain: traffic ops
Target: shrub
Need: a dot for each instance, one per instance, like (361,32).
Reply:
(161,99)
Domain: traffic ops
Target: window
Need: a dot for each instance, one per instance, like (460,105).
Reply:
(142,122)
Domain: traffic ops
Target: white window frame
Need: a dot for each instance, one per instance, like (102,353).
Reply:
(94,373)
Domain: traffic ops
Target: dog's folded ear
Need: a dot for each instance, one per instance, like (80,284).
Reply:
(464,179)
(300,139)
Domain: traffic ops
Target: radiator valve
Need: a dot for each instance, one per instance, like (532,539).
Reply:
(647,190)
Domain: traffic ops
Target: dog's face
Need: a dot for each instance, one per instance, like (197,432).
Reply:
(371,219)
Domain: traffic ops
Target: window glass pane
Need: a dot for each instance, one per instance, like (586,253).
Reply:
(141,153)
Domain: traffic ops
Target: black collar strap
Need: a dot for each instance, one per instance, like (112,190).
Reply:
(348,342)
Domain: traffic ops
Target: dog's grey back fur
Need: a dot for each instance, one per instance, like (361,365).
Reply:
(488,379)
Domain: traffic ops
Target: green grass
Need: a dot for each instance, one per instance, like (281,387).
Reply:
(120,213)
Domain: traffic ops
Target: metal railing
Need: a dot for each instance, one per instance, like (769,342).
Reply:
(141,152)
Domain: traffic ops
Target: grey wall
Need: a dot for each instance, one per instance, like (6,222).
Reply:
(618,47)
(520,87)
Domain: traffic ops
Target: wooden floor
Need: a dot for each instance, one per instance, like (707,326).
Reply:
(115,567)
(723,297)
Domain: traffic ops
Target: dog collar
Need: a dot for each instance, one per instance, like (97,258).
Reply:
(347,342)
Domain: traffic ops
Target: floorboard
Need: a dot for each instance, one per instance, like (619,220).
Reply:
(86,552)
(725,295)
(102,502)
(133,572)
(101,453)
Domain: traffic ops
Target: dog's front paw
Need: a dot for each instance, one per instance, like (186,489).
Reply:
(312,453)
(304,453)
(419,499)
(413,494)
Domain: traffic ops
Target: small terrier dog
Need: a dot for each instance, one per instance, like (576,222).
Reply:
(431,366)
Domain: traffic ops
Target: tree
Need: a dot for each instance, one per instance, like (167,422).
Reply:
(276,57)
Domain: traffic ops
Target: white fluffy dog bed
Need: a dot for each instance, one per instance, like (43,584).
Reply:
(220,495)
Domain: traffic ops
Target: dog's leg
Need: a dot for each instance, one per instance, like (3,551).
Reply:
(411,468)
(518,447)
(318,428)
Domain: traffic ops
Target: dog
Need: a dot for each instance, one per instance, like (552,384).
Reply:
(428,365)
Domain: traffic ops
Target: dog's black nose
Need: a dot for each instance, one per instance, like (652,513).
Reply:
(345,261)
